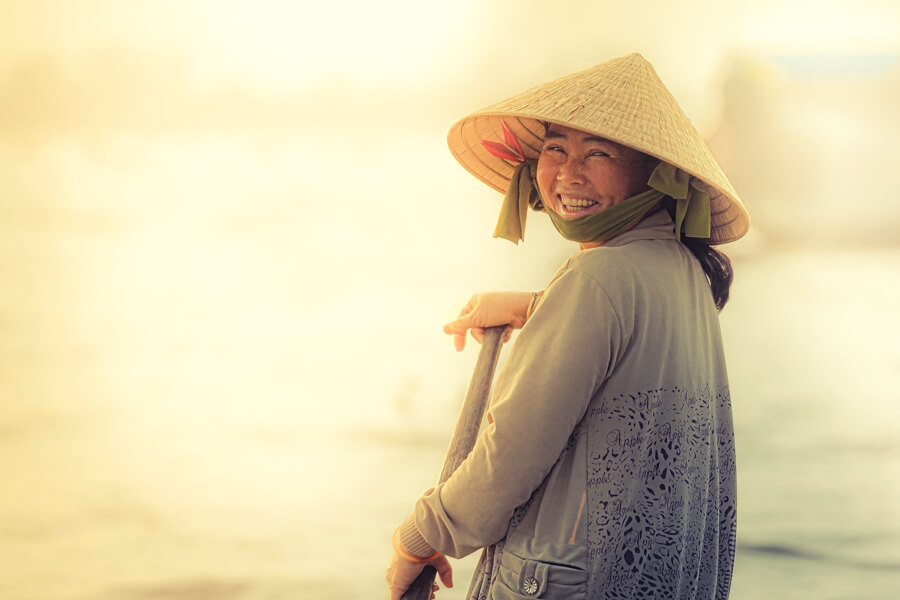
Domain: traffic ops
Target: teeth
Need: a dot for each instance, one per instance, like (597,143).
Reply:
(572,203)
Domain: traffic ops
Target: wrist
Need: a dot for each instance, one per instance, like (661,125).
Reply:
(408,556)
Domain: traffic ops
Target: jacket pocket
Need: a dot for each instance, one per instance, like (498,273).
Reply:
(524,578)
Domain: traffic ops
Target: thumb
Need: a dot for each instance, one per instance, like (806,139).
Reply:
(458,326)
(445,571)
(458,330)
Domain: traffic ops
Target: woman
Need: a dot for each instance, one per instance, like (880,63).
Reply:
(607,467)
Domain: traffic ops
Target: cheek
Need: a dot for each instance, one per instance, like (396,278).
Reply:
(546,173)
(619,183)
(638,182)
(637,174)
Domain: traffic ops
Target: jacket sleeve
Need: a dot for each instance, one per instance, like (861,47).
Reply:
(560,359)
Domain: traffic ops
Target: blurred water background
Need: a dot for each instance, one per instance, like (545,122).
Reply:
(229,236)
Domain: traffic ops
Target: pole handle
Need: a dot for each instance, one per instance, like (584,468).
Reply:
(465,434)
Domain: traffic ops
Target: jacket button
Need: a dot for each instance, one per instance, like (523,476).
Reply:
(530,586)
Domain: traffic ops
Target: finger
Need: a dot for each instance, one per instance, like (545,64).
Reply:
(459,342)
(397,593)
(478,333)
(445,571)
(507,334)
(458,330)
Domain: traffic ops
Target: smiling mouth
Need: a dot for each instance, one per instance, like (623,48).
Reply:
(576,205)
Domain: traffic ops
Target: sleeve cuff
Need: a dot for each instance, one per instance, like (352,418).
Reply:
(412,539)
(532,305)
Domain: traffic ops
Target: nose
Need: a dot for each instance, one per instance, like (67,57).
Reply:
(571,171)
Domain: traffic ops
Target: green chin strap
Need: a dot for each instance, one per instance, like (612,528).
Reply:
(521,193)
(692,213)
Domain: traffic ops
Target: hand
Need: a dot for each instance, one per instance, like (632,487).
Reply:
(488,310)
(401,573)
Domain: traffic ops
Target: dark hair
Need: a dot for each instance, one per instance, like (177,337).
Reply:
(716,265)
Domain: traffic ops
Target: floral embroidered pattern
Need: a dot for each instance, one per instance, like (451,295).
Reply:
(661,491)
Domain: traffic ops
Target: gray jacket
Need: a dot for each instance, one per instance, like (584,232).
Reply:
(608,469)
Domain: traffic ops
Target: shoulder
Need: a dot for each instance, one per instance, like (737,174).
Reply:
(643,278)
(640,259)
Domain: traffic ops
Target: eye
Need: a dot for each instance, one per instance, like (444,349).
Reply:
(554,148)
(598,153)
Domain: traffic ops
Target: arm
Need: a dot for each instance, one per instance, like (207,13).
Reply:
(560,360)
(491,309)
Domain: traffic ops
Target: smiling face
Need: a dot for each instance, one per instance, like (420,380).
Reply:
(580,174)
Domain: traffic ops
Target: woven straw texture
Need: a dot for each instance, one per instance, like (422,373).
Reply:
(622,100)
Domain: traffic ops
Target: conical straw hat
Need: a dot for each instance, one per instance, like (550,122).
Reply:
(622,100)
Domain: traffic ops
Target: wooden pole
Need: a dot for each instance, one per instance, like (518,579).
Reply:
(465,434)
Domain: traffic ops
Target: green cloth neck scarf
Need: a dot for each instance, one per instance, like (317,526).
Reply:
(691,207)
(607,224)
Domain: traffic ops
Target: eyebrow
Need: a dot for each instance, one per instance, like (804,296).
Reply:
(591,138)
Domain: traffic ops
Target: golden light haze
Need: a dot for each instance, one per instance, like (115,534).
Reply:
(230,233)
(159,66)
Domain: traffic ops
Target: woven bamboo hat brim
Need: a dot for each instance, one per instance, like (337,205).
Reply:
(622,100)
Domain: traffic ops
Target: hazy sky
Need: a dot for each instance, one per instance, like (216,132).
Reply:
(94,65)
